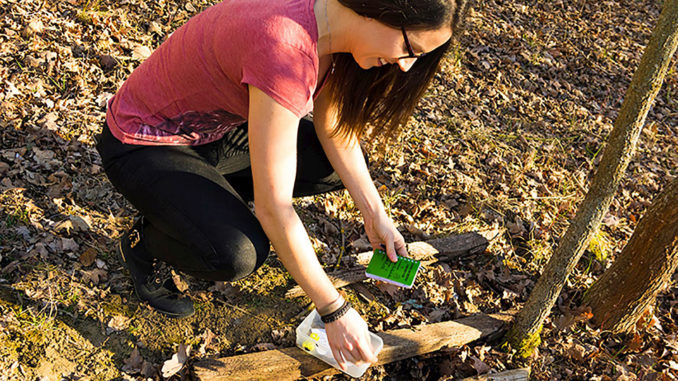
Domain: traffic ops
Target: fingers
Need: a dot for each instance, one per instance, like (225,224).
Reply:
(390,250)
(339,358)
(400,246)
(353,355)
(358,351)
(365,352)
(349,340)
(348,354)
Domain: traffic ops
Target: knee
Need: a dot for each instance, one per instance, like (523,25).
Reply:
(238,256)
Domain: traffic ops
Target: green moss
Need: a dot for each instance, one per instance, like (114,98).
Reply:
(600,246)
(523,346)
(114,306)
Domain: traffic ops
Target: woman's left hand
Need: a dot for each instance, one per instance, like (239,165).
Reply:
(382,233)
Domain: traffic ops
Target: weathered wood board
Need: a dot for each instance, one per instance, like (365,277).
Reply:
(293,363)
(439,249)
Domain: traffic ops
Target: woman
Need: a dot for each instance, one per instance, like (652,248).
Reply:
(212,120)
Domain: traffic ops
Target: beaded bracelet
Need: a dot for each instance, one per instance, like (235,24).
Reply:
(336,314)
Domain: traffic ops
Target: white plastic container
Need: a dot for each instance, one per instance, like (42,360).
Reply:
(311,338)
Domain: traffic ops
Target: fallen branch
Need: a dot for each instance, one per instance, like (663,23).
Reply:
(293,363)
(522,374)
(439,249)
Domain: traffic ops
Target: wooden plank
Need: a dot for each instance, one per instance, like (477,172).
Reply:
(439,249)
(339,279)
(522,374)
(293,363)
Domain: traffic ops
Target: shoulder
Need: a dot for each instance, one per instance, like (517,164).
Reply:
(266,22)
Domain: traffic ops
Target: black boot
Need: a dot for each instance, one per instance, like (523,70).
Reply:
(152,283)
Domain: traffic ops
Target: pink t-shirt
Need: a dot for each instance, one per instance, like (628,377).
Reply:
(193,88)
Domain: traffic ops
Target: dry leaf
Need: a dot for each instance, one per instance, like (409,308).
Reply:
(119,323)
(141,52)
(362,244)
(635,344)
(436,315)
(107,62)
(69,244)
(328,227)
(87,258)
(179,282)
(34,27)
(174,365)
(208,341)
(226,289)
(133,363)
(82,224)
(576,352)
(479,365)
(148,370)
(40,250)
(44,158)
(94,276)
(390,289)
(263,347)
(154,27)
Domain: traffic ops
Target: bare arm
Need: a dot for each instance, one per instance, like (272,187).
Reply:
(348,161)
(272,140)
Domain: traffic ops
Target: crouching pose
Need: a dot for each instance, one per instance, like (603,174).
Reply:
(215,118)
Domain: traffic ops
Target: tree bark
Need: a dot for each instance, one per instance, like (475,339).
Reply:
(647,80)
(642,270)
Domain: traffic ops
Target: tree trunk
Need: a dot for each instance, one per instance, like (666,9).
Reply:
(643,268)
(524,334)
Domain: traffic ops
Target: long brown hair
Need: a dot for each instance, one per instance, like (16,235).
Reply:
(385,96)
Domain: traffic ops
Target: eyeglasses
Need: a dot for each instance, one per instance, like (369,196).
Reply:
(410,51)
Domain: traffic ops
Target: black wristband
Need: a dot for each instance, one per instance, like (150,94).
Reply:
(341,311)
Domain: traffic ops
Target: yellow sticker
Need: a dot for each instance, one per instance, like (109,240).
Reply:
(315,336)
(309,346)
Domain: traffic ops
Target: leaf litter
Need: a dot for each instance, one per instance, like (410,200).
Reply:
(506,138)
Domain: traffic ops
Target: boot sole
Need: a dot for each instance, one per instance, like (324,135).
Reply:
(136,292)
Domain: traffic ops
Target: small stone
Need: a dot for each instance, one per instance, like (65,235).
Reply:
(4,167)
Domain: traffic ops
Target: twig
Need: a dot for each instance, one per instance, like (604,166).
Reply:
(249,313)
(543,197)
(343,245)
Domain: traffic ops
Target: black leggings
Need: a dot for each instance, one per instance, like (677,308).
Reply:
(194,199)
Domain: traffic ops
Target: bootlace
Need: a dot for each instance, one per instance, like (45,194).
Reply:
(160,274)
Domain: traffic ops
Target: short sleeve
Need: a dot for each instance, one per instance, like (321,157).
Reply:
(285,73)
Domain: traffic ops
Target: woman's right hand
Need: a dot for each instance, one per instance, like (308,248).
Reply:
(349,340)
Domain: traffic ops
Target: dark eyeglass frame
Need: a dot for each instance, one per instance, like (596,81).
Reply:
(410,51)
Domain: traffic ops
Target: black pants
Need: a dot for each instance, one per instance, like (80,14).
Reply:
(194,198)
